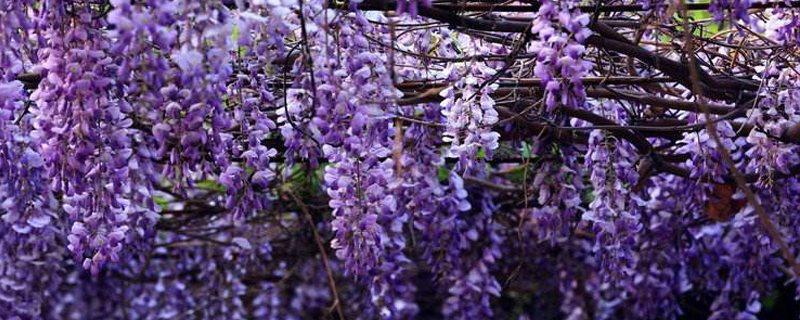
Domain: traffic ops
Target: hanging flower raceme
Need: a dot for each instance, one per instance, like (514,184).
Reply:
(332,109)
(203,67)
(708,169)
(357,201)
(614,212)
(411,6)
(777,115)
(782,27)
(27,200)
(340,104)
(469,110)
(85,138)
(736,8)
(28,213)
(473,248)
(559,61)
(30,225)
(555,195)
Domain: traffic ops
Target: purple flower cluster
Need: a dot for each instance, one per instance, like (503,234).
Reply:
(29,221)
(281,159)
(774,117)
(357,199)
(782,26)
(476,241)
(470,115)
(85,139)
(613,211)
(555,197)
(562,30)
(28,202)
(411,6)
(730,9)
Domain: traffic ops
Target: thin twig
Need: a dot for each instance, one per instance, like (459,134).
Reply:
(331,282)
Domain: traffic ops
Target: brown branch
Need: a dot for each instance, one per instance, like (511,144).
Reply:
(534,6)
(526,82)
(793,133)
(565,136)
(655,101)
(715,88)
(491,185)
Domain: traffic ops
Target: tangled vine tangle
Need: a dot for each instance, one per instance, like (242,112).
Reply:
(397,159)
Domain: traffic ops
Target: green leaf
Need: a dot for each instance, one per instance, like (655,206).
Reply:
(235,35)
(770,301)
(161,202)
(590,196)
(481,154)
(443,173)
(518,176)
(526,151)
(210,185)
